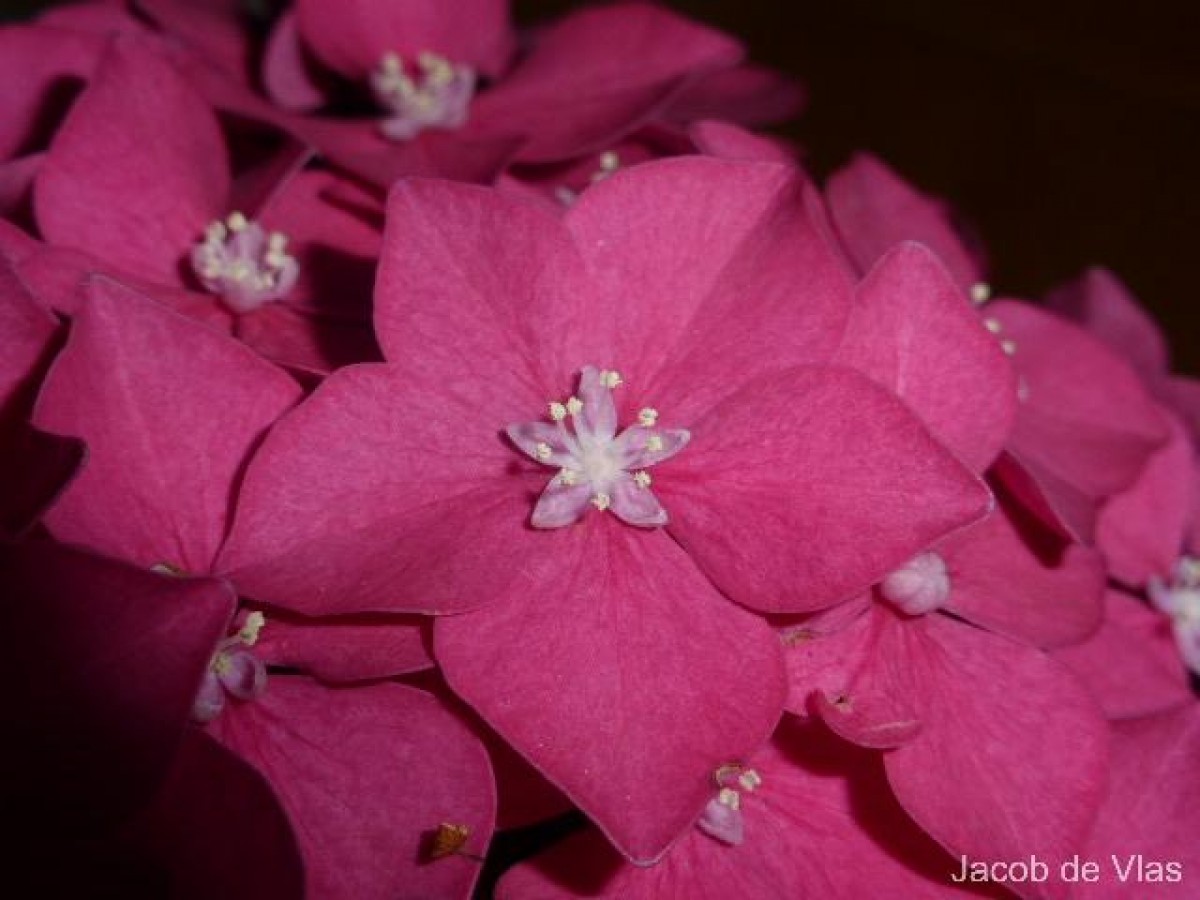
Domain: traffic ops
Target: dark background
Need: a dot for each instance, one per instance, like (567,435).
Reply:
(1067,132)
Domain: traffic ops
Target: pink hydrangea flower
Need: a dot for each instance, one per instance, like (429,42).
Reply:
(663,304)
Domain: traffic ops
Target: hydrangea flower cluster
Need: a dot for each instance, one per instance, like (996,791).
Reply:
(441,464)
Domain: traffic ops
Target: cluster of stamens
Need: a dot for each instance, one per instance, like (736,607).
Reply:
(243,263)
(435,93)
(1180,599)
(233,669)
(722,817)
(596,466)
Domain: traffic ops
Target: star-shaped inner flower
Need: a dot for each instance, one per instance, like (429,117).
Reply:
(1180,599)
(244,264)
(597,466)
(436,95)
(233,670)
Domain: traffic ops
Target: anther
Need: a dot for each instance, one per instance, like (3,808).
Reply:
(558,412)
(648,416)
(543,450)
(981,292)
(610,379)
(642,479)
(601,501)
(574,406)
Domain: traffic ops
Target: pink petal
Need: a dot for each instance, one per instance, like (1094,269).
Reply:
(1142,530)
(138,168)
(575,93)
(351,36)
(28,333)
(366,775)
(1086,421)
(168,432)
(857,678)
(217,828)
(748,94)
(874,209)
(590,663)
(696,266)
(39,66)
(731,142)
(305,340)
(215,28)
(398,525)
(823,824)
(1131,665)
(358,648)
(290,77)
(34,468)
(16,185)
(524,795)
(101,671)
(1152,809)
(1012,753)
(913,332)
(1011,577)
(792,513)
(1103,305)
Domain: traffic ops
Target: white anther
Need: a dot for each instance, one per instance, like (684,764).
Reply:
(981,292)
(1009,347)
(992,325)
(237,222)
(750,780)
(568,477)
(654,444)
(543,450)
(574,406)
(609,162)
(729,797)
(254,624)
(610,379)
(216,232)
(642,479)
(558,412)
(602,502)
(648,416)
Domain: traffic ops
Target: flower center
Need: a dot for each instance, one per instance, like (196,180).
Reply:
(920,586)
(722,817)
(597,466)
(435,93)
(242,263)
(1180,599)
(233,670)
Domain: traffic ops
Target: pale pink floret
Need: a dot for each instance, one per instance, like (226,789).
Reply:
(597,466)
(919,586)
(244,264)
(1180,599)
(435,93)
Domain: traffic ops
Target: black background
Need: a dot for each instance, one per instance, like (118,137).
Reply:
(1067,132)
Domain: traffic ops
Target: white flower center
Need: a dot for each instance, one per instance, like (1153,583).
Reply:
(435,93)
(244,264)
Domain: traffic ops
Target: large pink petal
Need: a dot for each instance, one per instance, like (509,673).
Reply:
(218,829)
(1012,754)
(1008,576)
(40,67)
(715,138)
(796,512)
(169,428)
(305,340)
(748,94)
(1142,530)
(822,824)
(352,36)
(1085,421)
(28,333)
(1131,665)
(102,666)
(703,273)
(1099,302)
(138,168)
(1149,820)
(344,649)
(619,672)
(215,28)
(597,75)
(414,516)
(874,209)
(366,775)
(34,469)
(913,332)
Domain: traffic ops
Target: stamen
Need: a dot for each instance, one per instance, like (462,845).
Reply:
(435,94)
(654,444)
(254,624)
(648,416)
(610,379)
(750,780)
(981,292)
(729,797)
(992,325)
(574,406)
(601,501)
(558,412)
(568,477)
(1009,347)
(241,263)
(543,451)
(642,479)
